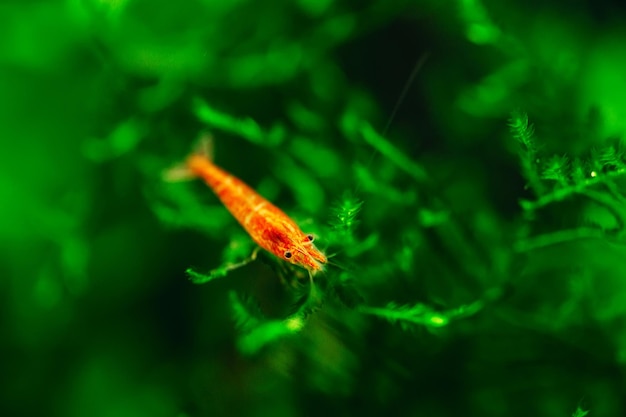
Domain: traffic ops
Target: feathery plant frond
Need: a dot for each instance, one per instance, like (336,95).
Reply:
(246,128)
(255,332)
(231,253)
(556,169)
(591,176)
(177,206)
(610,158)
(579,412)
(578,170)
(200,278)
(575,176)
(420,314)
(344,222)
(310,302)
(432,218)
(523,132)
(407,315)
(344,212)
(265,334)
(244,319)
(343,288)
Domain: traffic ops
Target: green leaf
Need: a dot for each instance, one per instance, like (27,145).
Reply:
(408,316)
(199,278)
(345,213)
(244,127)
(257,333)
(556,169)
(522,130)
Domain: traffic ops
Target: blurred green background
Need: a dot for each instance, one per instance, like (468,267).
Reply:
(480,259)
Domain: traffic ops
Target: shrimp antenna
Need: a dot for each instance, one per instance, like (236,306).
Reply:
(407,85)
(332,255)
(337,265)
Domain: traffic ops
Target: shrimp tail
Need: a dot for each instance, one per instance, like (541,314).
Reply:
(180,171)
(204,146)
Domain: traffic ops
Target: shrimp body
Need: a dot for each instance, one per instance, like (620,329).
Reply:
(267,225)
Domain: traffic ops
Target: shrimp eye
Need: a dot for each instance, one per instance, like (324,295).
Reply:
(287,254)
(310,237)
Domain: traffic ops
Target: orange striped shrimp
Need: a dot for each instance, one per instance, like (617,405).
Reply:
(267,225)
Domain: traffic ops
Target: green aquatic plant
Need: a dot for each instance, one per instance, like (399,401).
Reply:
(256,331)
(246,128)
(239,252)
(409,316)
(344,220)
(579,412)
(338,280)
(592,176)
(475,253)
(523,132)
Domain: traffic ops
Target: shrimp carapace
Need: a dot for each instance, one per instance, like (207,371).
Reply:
(267,225)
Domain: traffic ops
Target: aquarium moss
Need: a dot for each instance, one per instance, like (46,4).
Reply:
(461,164)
